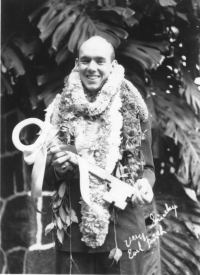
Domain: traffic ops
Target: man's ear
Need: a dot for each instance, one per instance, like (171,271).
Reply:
(114,64)
(76,62)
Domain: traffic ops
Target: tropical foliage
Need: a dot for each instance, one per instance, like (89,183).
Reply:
(157,41)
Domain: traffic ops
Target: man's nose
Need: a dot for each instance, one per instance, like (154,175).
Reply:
(92,65)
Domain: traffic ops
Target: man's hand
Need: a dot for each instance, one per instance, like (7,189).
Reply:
(144,193)
(60,158)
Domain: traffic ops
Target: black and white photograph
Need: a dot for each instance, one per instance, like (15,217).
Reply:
(100,137)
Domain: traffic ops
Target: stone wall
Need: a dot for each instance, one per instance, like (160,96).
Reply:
(23,246)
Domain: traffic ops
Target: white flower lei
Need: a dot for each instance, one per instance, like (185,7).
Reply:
(106,107)
(77,119)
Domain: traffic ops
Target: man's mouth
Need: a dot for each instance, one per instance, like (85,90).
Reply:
(92,77)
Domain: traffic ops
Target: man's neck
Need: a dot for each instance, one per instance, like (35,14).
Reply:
(90,93)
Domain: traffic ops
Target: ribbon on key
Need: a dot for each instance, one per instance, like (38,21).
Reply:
(84,186)
(36,153)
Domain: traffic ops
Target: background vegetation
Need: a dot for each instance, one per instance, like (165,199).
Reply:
(158,42)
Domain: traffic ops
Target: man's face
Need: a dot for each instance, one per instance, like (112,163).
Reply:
(94,64)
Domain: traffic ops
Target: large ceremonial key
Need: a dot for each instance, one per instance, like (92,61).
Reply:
(36,154)
(118,192)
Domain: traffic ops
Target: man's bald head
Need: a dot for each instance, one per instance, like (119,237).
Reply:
(95,63)
(98,40)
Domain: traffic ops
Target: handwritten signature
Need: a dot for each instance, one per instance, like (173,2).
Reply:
(161,217)
(156,235)
(149,241)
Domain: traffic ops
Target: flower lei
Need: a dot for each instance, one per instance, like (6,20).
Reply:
(92,128)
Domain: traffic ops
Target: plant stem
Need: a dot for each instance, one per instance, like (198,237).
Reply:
(115,232)
(70,239)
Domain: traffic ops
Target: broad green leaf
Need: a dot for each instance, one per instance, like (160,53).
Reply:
(54,87)
(74,38)
(118,10)
(152,259)
(62,213)
(6,87)
(190,153)
(11,60)
(61,190)
(127,14)
(196,4)
(49,76)
(108,3)
(110,37)
(66,208)
(49,15)
(49,98)
(147,56)
(32,16)
(62,55)
(182,16)
(60,235)
(112,253)
(190,90)
(60,18)
(166,3)
(59,223)
(86,27)
(181,125)
(46,19)
(29,46)
(112,16)
(195,228)
(67,221)
(191,193)
(117,31)
(131,17)
(56,205)
(177,113)
(63,30)
(178,250)
(48,228)
(84,2)
(115,254)
(73,216)
(171,11)
(162,46)
(84,35)
(100,2)
(174,264)
(54,23)
(118,254)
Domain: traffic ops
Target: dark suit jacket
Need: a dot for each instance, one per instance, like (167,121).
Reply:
(130,220)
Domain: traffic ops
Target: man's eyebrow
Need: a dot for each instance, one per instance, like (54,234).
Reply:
(85,57)
(100,58)
(96,57)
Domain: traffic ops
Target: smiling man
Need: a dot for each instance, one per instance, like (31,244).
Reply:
(103,115)
(95,62)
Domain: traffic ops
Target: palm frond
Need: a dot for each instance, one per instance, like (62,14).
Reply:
(177,251)
(178,122)
(190,90)
(11,60)
(148,56)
